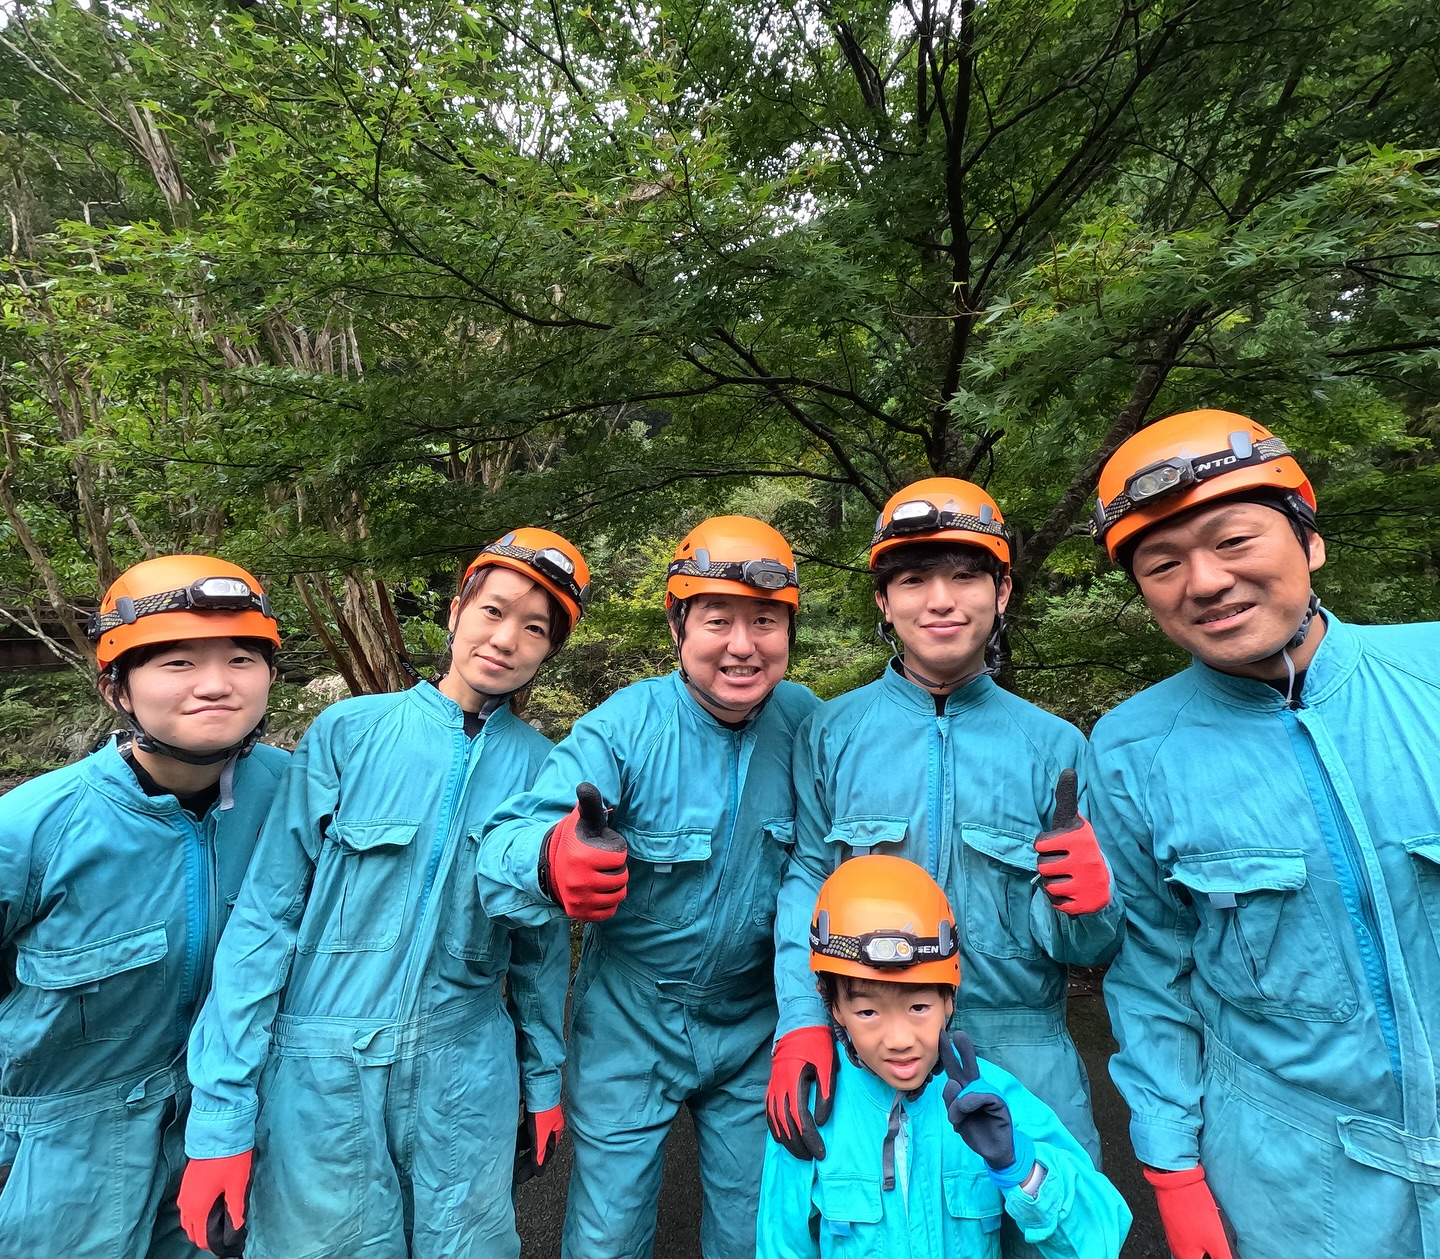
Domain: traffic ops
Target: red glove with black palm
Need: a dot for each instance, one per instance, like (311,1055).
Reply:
(212,1202)
(1072,867)
(582,861)
(803,1057)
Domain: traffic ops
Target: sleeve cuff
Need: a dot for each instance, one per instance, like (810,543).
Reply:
(798,1012)
(1165,1144)
(220,1134)
(542,1092)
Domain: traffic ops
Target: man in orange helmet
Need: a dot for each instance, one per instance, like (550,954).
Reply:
(936,763)
(931,1146)
(674,1001)
(1272,815)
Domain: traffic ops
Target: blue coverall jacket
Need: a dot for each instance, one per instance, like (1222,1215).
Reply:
(356,1035)
(111,903)
(964,795)
(943,1204)
(674,1001)
(1277,997)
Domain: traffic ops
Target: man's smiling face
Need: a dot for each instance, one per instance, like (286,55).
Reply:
(1229,582)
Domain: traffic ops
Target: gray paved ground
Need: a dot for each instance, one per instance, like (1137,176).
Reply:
(542,1202)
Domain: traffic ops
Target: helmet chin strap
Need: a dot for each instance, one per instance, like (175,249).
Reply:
(147,742)
(1295,640)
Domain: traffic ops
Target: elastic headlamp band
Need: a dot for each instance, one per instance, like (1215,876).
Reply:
(934,521)
(550,562)
(225,595)
(886,950)
(761,574)
(1170,476)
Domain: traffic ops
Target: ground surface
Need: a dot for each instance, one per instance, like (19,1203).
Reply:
(542,1202)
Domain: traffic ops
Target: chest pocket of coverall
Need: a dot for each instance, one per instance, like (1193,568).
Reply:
(999,871)
(662,887)
(779,836)
(847,1204)
(102,991)
(470,934)
(361,883)
(1263,943)
(973,1207)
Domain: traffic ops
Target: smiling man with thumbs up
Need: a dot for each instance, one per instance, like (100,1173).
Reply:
(937,764)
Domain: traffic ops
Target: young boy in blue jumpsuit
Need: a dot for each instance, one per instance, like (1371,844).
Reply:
(674,1002)
(920,1166)
(116,875)
(936,763)
(356,1046)
(1272,815)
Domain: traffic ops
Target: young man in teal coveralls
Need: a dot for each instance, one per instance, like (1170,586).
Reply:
(936,763)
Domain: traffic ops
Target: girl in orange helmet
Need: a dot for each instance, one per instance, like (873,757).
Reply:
(357,1054)
(116,876)
(929,1146)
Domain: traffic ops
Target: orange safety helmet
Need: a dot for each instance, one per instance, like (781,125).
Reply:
(885,918)
(176,597)
(1184,460)
(733,555)
(941,509)
(547,559)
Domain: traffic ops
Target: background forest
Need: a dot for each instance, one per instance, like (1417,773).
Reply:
(343,290)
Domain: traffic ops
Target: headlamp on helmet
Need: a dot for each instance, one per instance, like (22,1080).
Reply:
(762,574)
(549,562)
(208,594)
(1157,474)
(1160,479)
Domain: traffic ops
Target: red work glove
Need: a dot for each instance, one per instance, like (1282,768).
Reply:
(1072,868)
(539,1135)
(1194,1224)
(212,1195)
(803,1057)
(582,862)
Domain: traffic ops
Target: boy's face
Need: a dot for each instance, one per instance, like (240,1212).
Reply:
(894,1027)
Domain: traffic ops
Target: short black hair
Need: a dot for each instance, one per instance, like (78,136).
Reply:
(833,987)
(122,666)
(926,557)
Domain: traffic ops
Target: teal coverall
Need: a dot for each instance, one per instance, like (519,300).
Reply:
(358,1000)
(674,1001)
(964,795)
(111,902)
(1277,997)
(943,1204)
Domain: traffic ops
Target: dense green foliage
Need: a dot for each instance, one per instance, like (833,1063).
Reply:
(344,289)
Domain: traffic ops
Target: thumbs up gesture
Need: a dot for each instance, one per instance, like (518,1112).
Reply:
(1072,868)
(582,862)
